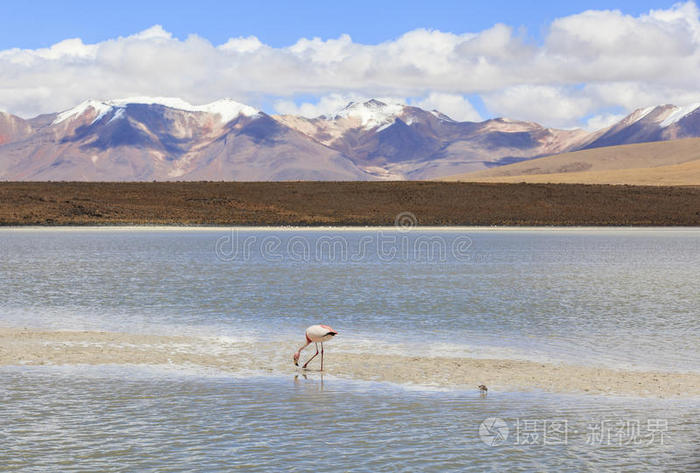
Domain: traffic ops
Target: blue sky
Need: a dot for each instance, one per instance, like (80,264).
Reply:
(563,64)
(34,24)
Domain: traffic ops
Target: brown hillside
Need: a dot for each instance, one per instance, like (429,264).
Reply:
(658,163)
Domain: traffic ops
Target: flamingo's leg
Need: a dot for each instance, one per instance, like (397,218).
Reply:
(309,360)
(321,356)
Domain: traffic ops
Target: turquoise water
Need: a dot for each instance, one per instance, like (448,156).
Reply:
(614,297)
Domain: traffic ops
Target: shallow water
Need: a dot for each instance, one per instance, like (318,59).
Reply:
(614,297)
(139,419)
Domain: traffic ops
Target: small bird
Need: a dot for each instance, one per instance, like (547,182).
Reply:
(315,334)
(483,388)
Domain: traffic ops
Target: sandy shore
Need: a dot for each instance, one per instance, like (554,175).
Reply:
(31,347)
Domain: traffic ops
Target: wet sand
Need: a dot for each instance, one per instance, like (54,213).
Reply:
(33,347)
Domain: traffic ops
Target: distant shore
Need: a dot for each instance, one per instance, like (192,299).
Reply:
(346,204)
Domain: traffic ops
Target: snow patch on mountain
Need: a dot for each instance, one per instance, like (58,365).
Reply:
(637,115)
(100,108)
(678,114)
(227,109)
(117,116)
(372,114)
(441,116)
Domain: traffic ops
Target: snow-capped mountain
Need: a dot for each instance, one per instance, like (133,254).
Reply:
(398,141)
(371,114)
(661,123)
(146,138)
(225,109)
(156,138)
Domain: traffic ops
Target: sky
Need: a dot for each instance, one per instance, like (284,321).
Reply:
(563,64)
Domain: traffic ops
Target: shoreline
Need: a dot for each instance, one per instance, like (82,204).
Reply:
(308,204)
(347,228)
(23,347)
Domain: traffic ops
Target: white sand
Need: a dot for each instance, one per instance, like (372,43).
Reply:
(31,347)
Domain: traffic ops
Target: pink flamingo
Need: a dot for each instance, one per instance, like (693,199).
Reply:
(315,334)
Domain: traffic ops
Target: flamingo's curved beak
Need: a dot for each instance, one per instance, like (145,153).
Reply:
(296,359)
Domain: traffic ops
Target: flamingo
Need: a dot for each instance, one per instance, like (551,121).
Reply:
(315,334)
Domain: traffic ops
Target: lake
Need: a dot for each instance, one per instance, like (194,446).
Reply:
(185,360)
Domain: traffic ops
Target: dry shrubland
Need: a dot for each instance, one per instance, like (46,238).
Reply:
(344,203)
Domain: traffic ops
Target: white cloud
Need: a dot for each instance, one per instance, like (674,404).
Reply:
(631,95)
(154,32)
(587,62)
(599,122)
(242,45)
(610,33)
(326,105)
(453,105)
(554,106)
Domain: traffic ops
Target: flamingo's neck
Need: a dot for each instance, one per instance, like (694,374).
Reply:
(308,342)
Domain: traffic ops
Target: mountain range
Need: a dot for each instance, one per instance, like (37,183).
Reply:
(141,139)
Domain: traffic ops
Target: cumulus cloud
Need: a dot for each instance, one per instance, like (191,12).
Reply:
(601,121)
(453,105)
(324,106)
(248,44)
(586,63)
(543,104)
